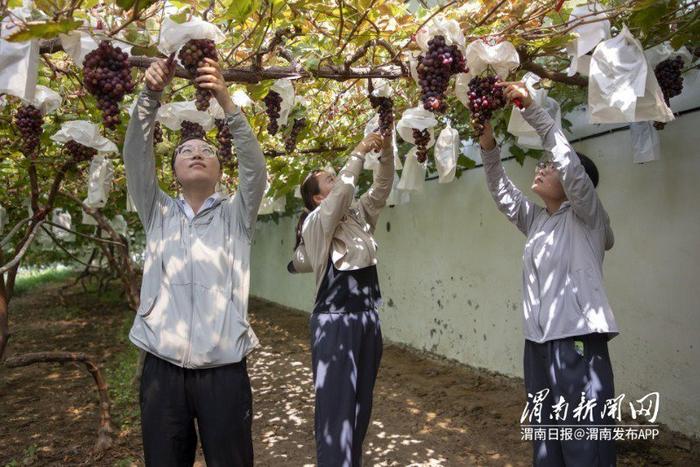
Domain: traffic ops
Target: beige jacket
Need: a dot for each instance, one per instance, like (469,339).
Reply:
(343,227)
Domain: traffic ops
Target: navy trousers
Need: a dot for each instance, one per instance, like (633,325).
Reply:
(346,349)
(569,368)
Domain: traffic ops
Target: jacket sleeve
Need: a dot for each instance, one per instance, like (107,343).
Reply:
(335,205)
(577,185)
(372,202)
(252,172)
(139,161)
(510,200)
(300,263)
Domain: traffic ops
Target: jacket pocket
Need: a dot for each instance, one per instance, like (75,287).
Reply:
(146,307)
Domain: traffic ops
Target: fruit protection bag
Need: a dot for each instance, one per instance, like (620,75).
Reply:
(63,218)
(517,126)
(416,118)
(173,114)
(45,99)
(173,35)
(19,61)
(77,44)
(446,153)
(85,133)
(591,28)
(622,87)
(646,146)
(99,181)
(502,58)
(413,174)
(285,89)
(440,26)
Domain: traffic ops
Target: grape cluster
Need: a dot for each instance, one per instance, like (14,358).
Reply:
(224,138)
(273,104)
(668,74)
(28,120)
(190,130)
(385,107)
(290,142)
(435,68)
(78,151)
(192,56)
(157,134)
(107,76)
(421,138)
(484,98)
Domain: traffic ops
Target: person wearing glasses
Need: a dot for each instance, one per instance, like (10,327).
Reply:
(335,240)
(566,315)
(192,319)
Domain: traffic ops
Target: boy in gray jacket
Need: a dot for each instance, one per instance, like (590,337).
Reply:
(192,319)
(566,315)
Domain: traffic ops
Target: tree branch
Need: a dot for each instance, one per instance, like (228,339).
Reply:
(104,439)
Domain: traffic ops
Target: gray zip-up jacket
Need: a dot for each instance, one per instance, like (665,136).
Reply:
(343,227)
(563,293)
(194,293)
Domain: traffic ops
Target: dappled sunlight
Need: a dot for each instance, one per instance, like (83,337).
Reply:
(408,426)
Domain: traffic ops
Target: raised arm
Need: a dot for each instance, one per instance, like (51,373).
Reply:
(509,199)
(139,162)
(335,205)
(375,198)
(578,187)
(252,173)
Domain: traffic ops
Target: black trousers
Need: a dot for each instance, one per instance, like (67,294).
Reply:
(346,349)
(569,369)
(219,399)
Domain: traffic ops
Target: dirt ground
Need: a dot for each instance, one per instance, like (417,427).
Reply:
(428,412)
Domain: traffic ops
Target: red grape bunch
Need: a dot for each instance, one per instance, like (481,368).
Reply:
(435,68)
(157,134)
(107,76)
(290,142)
(192,56)
(484,98)
(224,138)
(385,107)
(668,74)
(28,120)
(273,104)
(421,138)
(190,130)
(78,151)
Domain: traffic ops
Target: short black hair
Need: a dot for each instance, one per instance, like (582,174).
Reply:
(589,167)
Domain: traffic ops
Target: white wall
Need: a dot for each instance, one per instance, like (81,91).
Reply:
(450,270)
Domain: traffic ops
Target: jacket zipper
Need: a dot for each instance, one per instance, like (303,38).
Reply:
(188,354)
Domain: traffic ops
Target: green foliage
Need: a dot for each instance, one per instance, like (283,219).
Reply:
(29,279)
(45,30)
(336,110)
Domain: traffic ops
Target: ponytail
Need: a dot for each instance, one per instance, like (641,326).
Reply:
(309,189)
(300,224)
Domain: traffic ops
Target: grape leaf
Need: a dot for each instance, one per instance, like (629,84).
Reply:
(44,30)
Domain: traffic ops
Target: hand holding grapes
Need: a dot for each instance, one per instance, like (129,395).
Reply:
(160,74)
(517,93)
(210,78)
(372,142)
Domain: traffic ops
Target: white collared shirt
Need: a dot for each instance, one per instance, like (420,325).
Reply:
(187,209)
